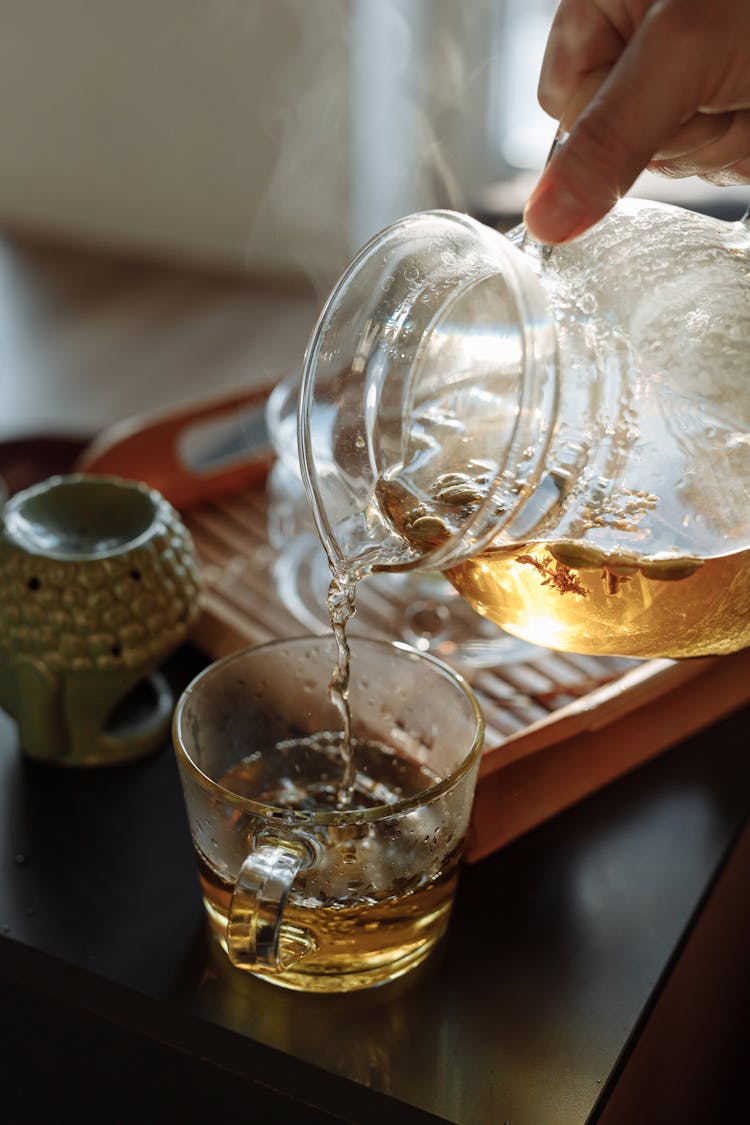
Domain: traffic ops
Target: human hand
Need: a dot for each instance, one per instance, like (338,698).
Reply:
(663,84)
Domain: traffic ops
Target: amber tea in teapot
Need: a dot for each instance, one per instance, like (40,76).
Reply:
(566,437)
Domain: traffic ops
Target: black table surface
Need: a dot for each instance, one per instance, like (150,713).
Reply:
(595,970)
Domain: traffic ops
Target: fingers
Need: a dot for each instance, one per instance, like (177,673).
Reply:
(582,39)
(709,145)
(698,131)
(588,86)
(643,101)
(735,174)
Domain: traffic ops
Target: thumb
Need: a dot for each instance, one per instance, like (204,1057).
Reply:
(617,121)
(589,85)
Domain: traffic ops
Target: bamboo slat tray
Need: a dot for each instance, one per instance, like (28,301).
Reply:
(559,726)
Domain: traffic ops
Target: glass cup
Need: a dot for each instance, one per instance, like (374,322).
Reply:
(303,886)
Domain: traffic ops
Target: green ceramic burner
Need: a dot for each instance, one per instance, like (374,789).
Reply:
(98,585)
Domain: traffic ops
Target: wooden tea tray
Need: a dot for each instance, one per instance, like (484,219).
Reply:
(559,726)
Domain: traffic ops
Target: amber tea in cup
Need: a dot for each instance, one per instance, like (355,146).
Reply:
(305,883)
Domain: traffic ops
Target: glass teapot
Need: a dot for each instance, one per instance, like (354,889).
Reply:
(565,434)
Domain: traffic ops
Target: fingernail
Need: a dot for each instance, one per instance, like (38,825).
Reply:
(553,214)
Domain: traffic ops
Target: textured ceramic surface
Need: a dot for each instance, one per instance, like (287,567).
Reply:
(99,583)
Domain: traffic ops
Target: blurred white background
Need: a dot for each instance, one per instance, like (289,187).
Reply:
(271,135)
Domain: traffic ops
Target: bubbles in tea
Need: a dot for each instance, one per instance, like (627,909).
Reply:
(379,894)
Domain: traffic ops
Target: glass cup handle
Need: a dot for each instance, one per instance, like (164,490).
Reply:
(255,935)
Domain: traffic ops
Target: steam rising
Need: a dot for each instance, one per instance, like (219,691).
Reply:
(367,113)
